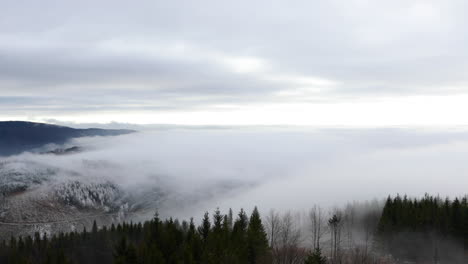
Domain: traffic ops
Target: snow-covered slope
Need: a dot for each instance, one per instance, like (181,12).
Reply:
(37,197)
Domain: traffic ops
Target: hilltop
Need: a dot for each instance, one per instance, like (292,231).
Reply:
(20,136)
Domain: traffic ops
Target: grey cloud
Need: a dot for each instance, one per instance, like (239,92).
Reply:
(281,168)
(396,48)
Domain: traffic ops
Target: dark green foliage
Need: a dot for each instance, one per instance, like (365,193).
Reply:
(125,253)
(155,241)
(448,218)
(204,229)
(411,228)
(239,237)
(316,257)
(257,241)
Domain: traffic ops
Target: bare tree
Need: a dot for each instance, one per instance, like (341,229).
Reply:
(290,240)
(335,224)
(349,216)
(369,220)
(272,226)
(285,237)
(317,225)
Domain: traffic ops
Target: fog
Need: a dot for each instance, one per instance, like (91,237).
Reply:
(184,172)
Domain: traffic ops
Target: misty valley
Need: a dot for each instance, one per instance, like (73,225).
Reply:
(233,132)
(232,195)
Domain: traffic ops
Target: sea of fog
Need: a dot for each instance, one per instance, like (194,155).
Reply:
(200,169)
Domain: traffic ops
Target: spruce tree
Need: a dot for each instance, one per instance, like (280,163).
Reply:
(205,227)
(316,257)
(239,237)
(257,242)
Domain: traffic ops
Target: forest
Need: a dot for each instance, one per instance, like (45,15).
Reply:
(427,230)
(403,230)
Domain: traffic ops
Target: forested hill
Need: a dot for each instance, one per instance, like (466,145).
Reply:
(19,136)
(427,230)
(223,240)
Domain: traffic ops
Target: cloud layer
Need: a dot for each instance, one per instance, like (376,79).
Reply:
(81,58)
(195,170)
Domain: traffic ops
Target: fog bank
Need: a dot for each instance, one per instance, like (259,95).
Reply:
(184,172)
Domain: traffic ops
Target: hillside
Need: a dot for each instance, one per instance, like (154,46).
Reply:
(19,136)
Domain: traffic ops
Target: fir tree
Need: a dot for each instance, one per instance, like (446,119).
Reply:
(257,242)
(316,257)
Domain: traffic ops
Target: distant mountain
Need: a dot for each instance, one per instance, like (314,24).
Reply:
(63,151)
(18,136)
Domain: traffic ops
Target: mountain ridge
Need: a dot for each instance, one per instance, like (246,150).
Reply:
(20,136)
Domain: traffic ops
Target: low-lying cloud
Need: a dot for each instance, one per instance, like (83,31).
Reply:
(184,172)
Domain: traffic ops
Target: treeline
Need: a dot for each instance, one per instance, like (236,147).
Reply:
(219,239)
(427,229)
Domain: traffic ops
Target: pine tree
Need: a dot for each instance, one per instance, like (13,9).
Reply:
(120,253)
(257,242)
(94,229)
(239,237)
(316,257)
(205,227)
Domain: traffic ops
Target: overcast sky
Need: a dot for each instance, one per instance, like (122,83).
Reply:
(324,63)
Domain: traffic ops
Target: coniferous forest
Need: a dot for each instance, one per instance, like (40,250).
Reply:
(217,240)
(426,230)
(429,230)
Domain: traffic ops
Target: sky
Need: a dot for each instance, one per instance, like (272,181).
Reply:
(352,63)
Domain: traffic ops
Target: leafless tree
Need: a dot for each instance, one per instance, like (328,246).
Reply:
(349,218)
(335,224)
(272,226)
(370,225)
(318,227)
(290,240)
(285,238)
